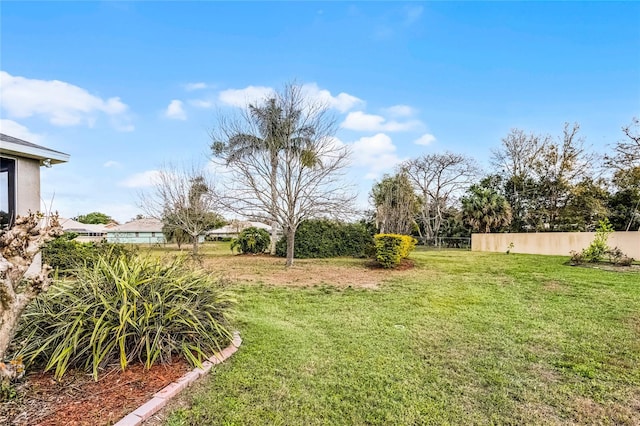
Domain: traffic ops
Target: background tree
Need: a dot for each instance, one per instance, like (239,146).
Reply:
(485,210)
(95,218)
(284,163)
(184,200)
(396,205)
(438,179)
(19,246)
(624,161)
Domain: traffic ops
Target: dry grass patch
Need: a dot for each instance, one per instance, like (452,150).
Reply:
(262,269)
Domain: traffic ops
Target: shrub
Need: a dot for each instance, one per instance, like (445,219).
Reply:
(251,240)
(124,310)
(323,238)
(618,257)
(392,248)
(65,254)
(598,247)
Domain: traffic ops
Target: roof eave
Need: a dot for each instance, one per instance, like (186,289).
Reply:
(17,150)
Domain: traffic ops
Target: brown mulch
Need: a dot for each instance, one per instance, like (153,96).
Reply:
(78,400)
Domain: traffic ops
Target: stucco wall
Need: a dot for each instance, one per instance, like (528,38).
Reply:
(556,243)
(27,185)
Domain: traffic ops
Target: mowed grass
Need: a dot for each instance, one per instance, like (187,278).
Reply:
(462,338)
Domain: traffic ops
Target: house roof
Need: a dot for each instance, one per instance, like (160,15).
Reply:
(234,228)
(74,225)
(22,148)
(140,225)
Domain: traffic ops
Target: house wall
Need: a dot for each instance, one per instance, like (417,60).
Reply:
(131,238)
(554,243)
(27,185)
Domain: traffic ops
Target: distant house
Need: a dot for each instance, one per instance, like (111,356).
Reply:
(140,231)
(86,231)
(20,163)
(233,229)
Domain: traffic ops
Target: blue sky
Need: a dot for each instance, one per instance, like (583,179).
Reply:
(124,87)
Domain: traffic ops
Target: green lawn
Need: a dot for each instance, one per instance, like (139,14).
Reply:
(463,338)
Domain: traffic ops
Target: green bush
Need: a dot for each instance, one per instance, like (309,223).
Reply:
(392,248)
(65,254)
(251,240)
(598,247)
(125,310)
(322,238)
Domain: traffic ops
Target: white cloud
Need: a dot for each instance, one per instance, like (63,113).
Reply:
(17,130)
(425,139)
(175,111)
(190,87)
(364,122)
(61,103)
(112,164)
(243,97)
(141,180)
(200,103)
(343,102)
(377,153)
(400,111)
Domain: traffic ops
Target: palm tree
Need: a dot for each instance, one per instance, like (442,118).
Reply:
(279,127)
(484,209)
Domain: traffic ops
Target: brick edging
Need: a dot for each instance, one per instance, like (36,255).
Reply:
(163,396)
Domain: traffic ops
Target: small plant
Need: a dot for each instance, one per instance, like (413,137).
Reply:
(619,258)
(598,247)
(577,257)
(124,310)
(510,247)
(252,240)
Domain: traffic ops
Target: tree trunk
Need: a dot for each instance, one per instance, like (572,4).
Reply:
(274,237)
(9,319)
(291,235)
(195,244)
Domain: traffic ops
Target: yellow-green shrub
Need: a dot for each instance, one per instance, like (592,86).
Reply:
(392,248)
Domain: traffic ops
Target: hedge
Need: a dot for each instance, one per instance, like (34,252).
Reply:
(323,238)
(392,248)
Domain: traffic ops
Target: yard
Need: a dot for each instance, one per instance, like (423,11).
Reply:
(460,338)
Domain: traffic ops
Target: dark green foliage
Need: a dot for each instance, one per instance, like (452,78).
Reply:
(124,310)
(251,240)
(323,238)
(392,248)
(94,218)
(66,254)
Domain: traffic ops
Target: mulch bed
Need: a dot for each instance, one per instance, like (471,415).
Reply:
(78,400)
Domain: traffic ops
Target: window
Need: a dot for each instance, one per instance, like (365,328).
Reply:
(137,234)
(153,234)
(7,191)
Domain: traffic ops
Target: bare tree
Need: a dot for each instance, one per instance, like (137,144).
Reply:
(626,153)
(285,165)
(439,179)
(183,199)
(19,247)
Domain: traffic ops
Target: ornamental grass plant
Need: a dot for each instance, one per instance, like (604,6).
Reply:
(130,309)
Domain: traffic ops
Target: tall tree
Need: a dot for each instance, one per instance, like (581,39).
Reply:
(439,179)
(625,163)
(284,162)
(485,210)
(396,204)
(514,161)
(183,199)
(95,218)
